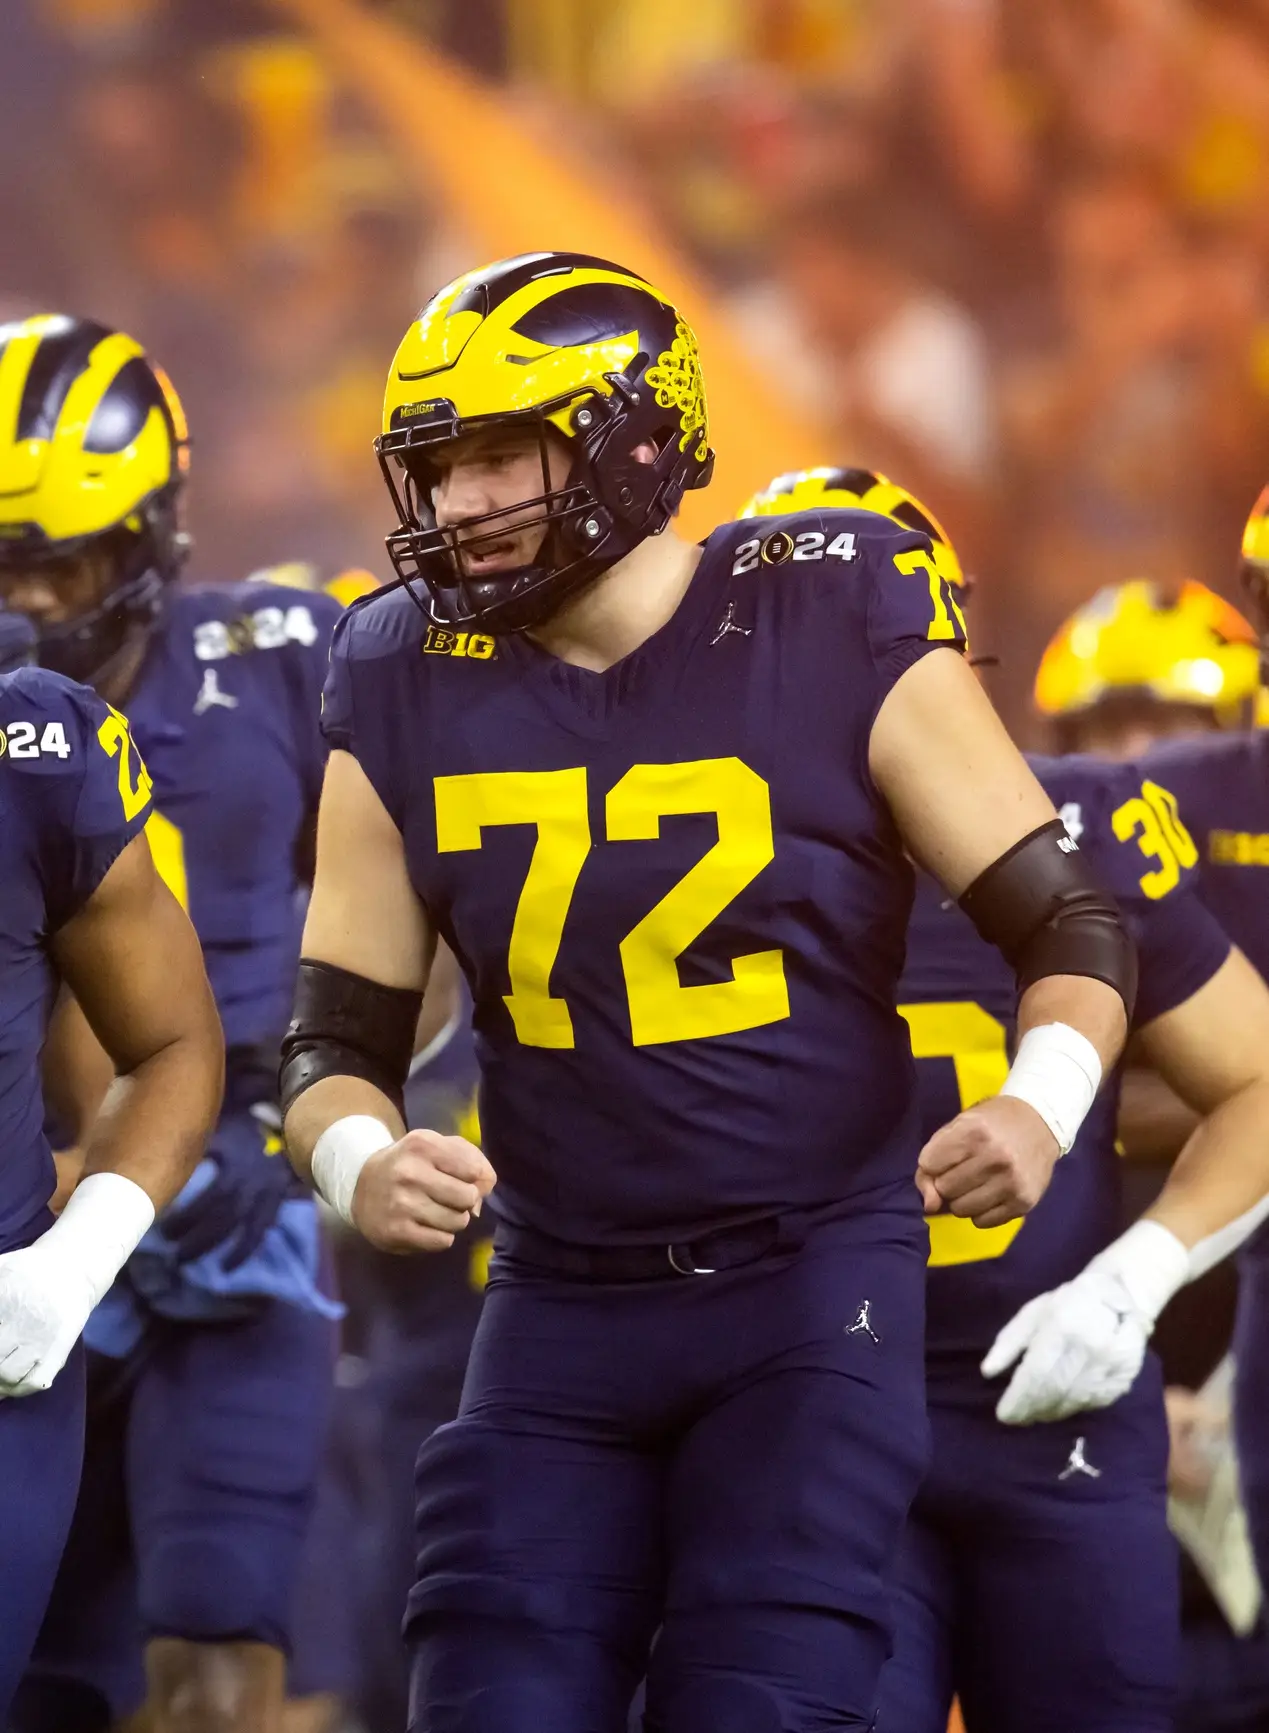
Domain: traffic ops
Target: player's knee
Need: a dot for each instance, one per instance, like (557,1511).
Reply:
(717,1706)
(202,1591)
(477,1675)
(214,1687)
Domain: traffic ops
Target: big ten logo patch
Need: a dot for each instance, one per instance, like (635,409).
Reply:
(443,641)
(1238,848)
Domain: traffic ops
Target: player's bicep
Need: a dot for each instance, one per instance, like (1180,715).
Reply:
(960,791)
(133,962)
(364,915)
(1217,1041)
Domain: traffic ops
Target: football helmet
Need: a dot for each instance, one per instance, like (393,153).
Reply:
(1134,640)
(856,490)
(94,451)
(560,344)
(347,586)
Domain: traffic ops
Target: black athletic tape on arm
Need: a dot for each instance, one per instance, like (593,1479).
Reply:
(1047,915)
(347,1026)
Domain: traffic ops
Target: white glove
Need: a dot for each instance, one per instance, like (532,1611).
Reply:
(1082,1345)
(48,1289)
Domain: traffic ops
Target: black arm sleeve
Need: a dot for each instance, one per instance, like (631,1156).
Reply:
(1047,915)
(347,1026)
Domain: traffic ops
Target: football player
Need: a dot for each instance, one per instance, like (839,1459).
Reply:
(410,1325)
(1222,784)
(1138,664)
(656,798)
(211,1358)
(82,904)
(1074,1504)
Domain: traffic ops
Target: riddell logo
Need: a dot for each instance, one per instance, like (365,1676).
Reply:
(476,646)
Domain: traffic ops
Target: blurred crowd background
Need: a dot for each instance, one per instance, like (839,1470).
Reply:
(1016,255)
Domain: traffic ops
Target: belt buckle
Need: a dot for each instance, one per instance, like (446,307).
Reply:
(692,1269)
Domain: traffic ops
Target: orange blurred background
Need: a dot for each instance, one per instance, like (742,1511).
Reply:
(1015,255)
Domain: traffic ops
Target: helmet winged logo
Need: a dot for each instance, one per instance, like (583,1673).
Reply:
(677,381)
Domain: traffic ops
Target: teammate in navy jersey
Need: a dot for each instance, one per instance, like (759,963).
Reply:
(656,799)
(210,1362)
(409,1330)
(81,904)
(1076,1505)
(1222,783)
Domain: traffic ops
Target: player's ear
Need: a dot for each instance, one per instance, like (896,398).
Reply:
(644,452)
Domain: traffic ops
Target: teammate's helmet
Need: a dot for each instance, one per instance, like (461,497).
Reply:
(347,586)
(856,490)
(93,454)
(558,344)
(1132,641)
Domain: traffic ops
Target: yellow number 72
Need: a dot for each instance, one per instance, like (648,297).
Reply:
(555,803)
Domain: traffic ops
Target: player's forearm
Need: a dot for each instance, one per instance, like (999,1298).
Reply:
(323,1104)
(1154,1122)
(1088,1006)
(1222,1174)
(155,1121)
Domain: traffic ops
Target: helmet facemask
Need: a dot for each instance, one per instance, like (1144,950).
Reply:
(606,505)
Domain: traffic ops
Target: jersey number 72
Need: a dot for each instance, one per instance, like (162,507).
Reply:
(555,803)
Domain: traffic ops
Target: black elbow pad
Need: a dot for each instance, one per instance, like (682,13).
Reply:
(347,1026)
(1047,915)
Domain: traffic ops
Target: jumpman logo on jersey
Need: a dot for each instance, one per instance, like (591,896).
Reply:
(729,623)
(863,1323)
(211,695)
(1078,1463)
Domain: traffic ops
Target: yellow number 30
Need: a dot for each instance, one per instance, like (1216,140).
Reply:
(555,803)
(117,742)
(1152,817)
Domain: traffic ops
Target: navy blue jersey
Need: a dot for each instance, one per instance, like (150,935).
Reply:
(960,999)
(1222,784)
(73,794)
(678,899)
(226,712)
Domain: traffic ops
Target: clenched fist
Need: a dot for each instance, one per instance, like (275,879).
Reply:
(416,1194)
(992,1163)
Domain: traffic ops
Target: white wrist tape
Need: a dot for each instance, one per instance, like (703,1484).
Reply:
(1150,1263)
(1057,1071)
(98,1231)
(1205,1254)
(341,1152)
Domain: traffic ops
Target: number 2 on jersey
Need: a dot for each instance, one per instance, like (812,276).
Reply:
(117,742)
(974,1041)
(555,802)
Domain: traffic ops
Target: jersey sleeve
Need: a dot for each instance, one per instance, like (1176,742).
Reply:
(353,712)
(912,609)
(75,764)
(1130,826)
(307,665)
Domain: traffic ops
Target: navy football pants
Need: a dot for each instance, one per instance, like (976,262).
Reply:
(728,1458)
(41,1450)
(198,1483)
(1251,1392)
(1038,1579)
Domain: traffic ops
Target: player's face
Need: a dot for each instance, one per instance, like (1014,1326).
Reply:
(1126,731)
(498,472)
(49,592)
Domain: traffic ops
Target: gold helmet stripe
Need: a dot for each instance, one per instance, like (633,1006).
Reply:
(512,372)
